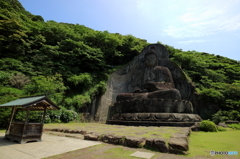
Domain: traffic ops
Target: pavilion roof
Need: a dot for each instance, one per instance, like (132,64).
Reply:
(36,102)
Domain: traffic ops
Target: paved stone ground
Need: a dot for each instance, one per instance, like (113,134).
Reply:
(50,145)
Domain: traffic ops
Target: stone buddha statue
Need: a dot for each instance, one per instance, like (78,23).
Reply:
(154,97)
(157,80)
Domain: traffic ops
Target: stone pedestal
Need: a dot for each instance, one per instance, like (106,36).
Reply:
(154,119)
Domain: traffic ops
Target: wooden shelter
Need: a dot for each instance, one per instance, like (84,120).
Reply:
(24,131)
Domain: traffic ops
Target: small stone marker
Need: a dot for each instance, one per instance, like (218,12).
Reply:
(142,154)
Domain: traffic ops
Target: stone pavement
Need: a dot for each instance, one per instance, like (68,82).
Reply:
(146,155)
(50,145)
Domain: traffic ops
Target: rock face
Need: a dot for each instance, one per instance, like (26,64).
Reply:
(178,145)
(159,144)
(135,142)
(232,122)
(195,127)
(223,124)
(113,139)
(91,136)
(149,88)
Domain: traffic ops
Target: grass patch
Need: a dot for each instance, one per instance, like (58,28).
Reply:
(118,152)
(201,143)
(159,132)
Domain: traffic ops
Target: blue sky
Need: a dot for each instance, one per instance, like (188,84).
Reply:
(211,26)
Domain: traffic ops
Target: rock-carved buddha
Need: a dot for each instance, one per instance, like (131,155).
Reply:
(154,99)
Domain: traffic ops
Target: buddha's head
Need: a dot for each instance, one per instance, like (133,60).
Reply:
(151,58)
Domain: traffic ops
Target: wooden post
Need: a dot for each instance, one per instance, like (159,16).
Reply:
(43,118)
(10,123)
(26,121)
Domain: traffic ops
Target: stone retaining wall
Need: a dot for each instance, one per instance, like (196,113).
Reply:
(177,143)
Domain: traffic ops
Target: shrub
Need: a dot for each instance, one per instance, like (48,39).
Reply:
(222,116)
(68,115)
(207,125)
(220,128)
(62,115)
(54,116)
(234,126)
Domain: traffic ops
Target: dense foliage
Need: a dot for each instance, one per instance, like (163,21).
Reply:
(222,116)
(68,62)
(217,79)
(71,63)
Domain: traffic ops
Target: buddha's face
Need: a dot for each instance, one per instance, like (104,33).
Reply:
(151,60)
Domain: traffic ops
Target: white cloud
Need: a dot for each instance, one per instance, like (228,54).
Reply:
(190,19)
(231,24)
(200,19)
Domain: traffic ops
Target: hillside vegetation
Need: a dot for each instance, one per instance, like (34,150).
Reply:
(71,63)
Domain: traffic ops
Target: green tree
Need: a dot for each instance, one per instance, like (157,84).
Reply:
(52,86)
(12,38)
